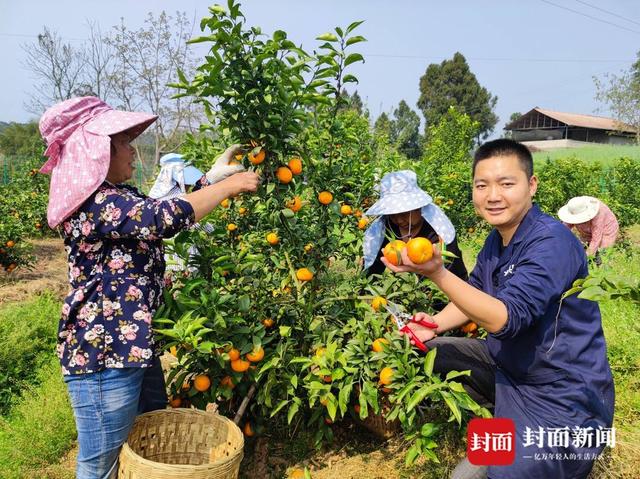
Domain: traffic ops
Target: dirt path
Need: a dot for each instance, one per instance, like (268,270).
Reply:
(48,274)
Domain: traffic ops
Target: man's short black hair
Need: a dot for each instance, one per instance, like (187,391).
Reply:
(504,147)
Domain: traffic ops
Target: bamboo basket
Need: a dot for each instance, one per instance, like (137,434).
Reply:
(182,443)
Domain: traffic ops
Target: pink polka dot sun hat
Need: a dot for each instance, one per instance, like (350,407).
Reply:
(77,132)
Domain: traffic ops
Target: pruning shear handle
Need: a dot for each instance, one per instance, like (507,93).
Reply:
(404,327)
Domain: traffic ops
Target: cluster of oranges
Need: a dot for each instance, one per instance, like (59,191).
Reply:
(419,250)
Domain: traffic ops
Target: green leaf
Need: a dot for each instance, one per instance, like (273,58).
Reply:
(244,303)
(429,360)
(285,331)
(282,404)
(353,26)
(352,58)
(456,374)
(452,405)
(429,429)
(327,37)
(349,79)
(292,412)
(356,39)
(412,455)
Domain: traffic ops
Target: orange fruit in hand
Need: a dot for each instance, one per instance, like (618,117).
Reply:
(240,365)
(202,382)
(257,158)
(268,322)
(346,210)
(325,197)
(227,382)
(386,376)
(234,354)
(273,239)
(377,345)
(295,165)
(378,303)
(284,175)
(248,431)
(419,250)
(304,274)
(393,252)
(294,204)
(239,156)
(256,355)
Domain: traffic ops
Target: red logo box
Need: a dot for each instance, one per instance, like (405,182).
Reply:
(491,442)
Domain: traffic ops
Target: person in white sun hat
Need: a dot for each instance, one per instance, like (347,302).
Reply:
(406,211)
(594,222)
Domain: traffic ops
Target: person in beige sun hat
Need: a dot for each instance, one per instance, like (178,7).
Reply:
(594,222)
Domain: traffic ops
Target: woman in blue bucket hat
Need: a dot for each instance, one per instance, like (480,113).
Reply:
(406,211)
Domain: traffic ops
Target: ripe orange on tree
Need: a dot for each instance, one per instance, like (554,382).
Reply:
(272,239)
(256,355)
(234,354)
(295,165)
(232,227)
(225,203)
(419,250)
(393,251)
(268,322)
(175,402)
(308,247)
(297,474)
(304,274)
(362,223)
(325,197)
(327,378)
(284,175)
(240,365)
(242,210)
(346,210)
(227,382)
(378,303)
(258,157)
(469,327)
(202,382)
(377,345)
(247,429)
(295,204)
(11,244)
(386,376)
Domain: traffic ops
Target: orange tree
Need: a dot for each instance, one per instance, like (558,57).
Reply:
(273,299)
(23,208)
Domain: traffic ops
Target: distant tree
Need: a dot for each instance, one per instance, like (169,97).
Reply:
(514,116)
(406,131)
(383,126)
(57,67)
(21,139)
(353,102)
(621,95)
(452,84)
(130,69)
(147,61)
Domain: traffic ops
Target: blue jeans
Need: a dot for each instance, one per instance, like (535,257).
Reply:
(105,405)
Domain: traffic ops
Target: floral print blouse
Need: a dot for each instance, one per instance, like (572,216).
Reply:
(116,274)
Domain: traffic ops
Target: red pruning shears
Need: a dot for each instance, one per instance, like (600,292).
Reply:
(402,319)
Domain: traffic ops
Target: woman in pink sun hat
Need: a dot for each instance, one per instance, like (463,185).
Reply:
(113,236)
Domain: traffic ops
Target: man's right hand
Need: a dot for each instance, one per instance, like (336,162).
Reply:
(424,334)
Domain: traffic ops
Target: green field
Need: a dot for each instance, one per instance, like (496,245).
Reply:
(604,154)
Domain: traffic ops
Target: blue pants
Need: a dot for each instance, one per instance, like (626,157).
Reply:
(105,405)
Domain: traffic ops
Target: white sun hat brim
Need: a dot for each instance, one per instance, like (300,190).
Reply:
(579,210)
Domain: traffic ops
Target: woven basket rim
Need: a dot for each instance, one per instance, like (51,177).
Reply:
(127,450)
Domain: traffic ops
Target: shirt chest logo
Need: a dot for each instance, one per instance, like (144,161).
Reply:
(509,270)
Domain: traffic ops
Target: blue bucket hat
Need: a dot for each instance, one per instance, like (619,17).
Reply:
(174,173)
(399,193)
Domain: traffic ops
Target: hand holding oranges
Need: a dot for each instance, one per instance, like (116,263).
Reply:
(419,256)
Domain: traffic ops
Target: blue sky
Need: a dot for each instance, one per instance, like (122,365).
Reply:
(528,53)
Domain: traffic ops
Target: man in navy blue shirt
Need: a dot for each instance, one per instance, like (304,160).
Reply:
(544,363)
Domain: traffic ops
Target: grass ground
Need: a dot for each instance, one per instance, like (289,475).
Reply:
(36,438)
(605,154)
